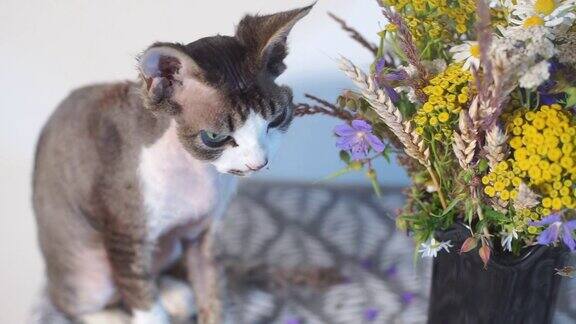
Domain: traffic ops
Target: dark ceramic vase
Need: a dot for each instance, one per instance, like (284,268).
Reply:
(513,289)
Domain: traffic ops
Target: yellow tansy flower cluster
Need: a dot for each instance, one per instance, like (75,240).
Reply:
(435,19)
(542,156)
(447,93)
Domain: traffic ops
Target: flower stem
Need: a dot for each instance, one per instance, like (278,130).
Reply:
(437,185)
(479,211)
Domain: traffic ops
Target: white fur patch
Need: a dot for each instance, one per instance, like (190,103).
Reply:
(93,280)
(255,146)
(178,298)
(155,315)
(179,189)
(108,316)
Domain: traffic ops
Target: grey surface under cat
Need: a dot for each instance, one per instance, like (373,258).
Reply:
(298,226)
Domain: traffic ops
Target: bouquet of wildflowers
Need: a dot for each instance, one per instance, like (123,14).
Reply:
(477,101)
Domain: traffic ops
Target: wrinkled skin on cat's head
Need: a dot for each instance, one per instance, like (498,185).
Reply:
(221,91)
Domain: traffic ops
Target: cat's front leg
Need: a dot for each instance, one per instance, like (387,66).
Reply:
(131,260)
(206,277)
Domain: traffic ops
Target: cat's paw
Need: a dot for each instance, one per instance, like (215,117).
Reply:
(178,299)
(155,315)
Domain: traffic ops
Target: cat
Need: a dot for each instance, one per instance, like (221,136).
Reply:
(132,178)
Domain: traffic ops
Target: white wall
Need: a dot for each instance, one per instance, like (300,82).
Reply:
(48,47)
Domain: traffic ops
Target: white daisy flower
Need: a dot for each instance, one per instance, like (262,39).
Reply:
(469,53)
(549,13)
(507,238)
(430,248)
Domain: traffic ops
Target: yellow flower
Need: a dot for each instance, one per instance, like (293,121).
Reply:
(545,7)
(542,156)
(535,173)
(566,162)
(554,154)
(391,28)
(443,117)
(533,21)
(488,190)
(556,203)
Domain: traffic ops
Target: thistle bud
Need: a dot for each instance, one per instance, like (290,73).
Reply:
(469,245)
(356,165)
(484,252)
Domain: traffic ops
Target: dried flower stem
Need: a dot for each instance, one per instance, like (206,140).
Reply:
(355,35)
(414,145)
(410,50)
(323,107)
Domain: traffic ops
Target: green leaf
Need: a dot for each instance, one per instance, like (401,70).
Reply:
(451,206)
(571,96)
(483,165)
(467,176)
(386,153)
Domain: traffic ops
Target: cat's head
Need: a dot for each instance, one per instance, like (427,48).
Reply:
(221,91)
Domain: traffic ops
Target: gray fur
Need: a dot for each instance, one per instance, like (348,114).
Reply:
(88,198)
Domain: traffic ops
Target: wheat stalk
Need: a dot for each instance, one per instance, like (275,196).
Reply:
(495,148)
(414,144)
(466,142)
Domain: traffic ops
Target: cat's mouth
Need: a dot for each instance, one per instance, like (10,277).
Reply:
(238,172)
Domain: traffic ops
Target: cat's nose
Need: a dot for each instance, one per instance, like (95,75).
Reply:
(256,168)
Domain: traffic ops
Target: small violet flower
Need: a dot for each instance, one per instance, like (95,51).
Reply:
(370,314)
(558,228)
(430,248)
(293,320)
(391,271)
(408,297)
(357,139)
(386,80)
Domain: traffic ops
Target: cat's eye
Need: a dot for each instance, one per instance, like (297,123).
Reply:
(278,120)
(214,139)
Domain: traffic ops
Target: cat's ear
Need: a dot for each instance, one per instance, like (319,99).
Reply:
(163,68)
(266,37)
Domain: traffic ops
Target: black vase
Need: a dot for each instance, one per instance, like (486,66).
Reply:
(520,289)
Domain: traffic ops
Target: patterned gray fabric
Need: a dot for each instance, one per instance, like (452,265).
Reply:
(301,254)
(346,230)
(295,226)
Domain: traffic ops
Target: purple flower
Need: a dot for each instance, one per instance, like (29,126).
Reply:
(381,65)
(392,271)
(367,264)
(370,314)
(557,229)
(387,80)
(293,320)
(357,139)
(407,297)
(546,91)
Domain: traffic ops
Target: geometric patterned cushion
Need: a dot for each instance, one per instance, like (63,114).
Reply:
(299,253)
